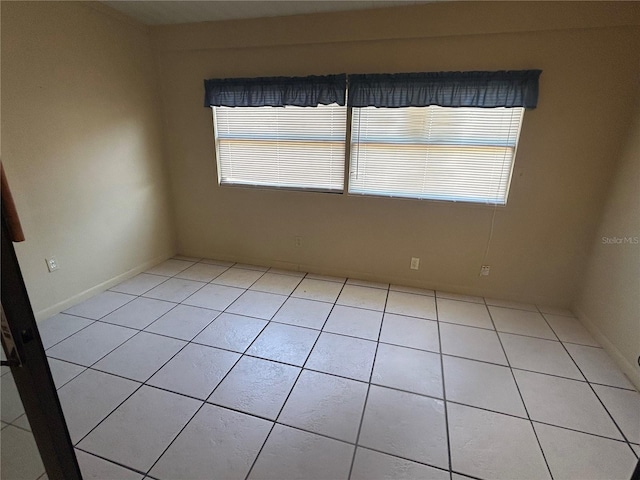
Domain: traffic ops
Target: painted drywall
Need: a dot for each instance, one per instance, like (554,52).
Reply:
(590,57)
(82,148)
(608,301)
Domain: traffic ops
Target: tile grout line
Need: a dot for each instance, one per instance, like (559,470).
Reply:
(615,387)
(92,367)
(354,380)
(242,355)
(435,467)
(110,312)
(535,433)
(593,390)
(13,424)
(226,269)
(444,393)
(246,289)
(350,306)
(275,422)
(168,336)
(215,317)
(204,402)
(366,398)
(334,333)
(175,305)
(540,422)
(109,460)
(147,290)
(320,332)
(65,338)
(93,320)
(180,303)
(141,384)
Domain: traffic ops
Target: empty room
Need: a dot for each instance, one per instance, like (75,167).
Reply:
(333,240)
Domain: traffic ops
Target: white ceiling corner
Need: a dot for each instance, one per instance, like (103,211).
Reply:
(152,12)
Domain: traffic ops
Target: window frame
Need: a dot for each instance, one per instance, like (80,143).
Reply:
(474,89)
(507,185)
(316,189)
(346,187)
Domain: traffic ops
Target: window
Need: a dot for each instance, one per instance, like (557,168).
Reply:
(286,132)
(288,147)
(438,153)
(442,136)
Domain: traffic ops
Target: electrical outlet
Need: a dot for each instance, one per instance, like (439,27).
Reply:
(298,241)
(415,263)
(484,270)
(52,264)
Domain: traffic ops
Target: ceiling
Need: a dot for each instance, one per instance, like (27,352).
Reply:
(172,12)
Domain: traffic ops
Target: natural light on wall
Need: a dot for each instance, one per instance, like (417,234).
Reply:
(438,153)
(286,147)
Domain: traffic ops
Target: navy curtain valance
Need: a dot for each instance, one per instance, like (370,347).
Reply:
(308,91)
(517,88)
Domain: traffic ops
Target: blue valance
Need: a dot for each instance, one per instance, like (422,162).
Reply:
(516,88)
(308,91)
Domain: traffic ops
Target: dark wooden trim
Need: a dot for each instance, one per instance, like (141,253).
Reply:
(33,378)
(9,211)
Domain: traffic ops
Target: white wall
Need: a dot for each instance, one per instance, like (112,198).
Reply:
(83,139)
(541,238)
(82,148)
(609,300)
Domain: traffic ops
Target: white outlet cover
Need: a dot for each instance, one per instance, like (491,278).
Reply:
(415,263)
(52,264)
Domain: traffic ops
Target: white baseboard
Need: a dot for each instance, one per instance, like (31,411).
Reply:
(632,372)
(69,302)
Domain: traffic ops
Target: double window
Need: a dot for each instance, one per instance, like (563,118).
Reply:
(443,136)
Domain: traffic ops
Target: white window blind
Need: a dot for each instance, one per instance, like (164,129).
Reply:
(441,153)
(288,147)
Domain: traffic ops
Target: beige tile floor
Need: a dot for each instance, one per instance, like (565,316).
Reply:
(202,369)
